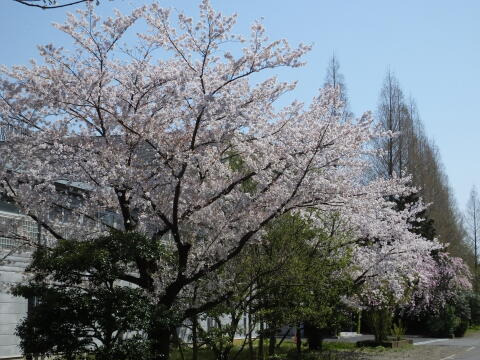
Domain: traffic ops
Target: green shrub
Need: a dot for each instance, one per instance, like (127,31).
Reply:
(398,330)
(380,321)
(81,306)
(444,323)
(474,302)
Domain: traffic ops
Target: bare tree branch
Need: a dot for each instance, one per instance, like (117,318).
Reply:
(49,4)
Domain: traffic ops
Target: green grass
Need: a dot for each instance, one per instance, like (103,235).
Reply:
(206,354)
(287,351)
(473,329)
(339,346)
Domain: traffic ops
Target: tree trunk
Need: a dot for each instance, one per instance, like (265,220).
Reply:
(194,338)
(359,322)
(160,338)
(250,340)
(260,341)
(284,337)
(312,333)
(298,336)
(272,342)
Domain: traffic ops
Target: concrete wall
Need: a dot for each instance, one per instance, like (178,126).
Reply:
(12,309)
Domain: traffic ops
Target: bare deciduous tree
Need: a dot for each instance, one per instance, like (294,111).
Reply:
(335,79)
(393,115)
(472,219)
(410,150)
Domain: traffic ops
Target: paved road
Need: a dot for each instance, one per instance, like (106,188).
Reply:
(416,339)
(467,348)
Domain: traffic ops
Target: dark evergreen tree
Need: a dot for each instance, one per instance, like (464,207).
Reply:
(82,306)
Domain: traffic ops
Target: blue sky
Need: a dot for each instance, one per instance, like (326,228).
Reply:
(432,46)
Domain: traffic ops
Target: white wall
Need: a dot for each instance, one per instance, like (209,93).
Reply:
(12,309)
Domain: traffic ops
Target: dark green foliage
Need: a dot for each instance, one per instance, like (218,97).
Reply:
(83,307)
(474,301)
(453,319)
(443,323)
(463,313)
(312,280)
(297,275)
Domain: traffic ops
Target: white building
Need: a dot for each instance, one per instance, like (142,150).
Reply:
(12,309)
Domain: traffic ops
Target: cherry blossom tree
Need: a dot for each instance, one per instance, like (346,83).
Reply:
(177,137)
(406,276)
(452,277)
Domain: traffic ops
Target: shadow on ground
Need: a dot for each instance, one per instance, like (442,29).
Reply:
(340,355)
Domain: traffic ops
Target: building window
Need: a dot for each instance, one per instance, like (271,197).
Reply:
(15,229)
